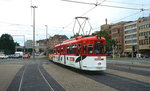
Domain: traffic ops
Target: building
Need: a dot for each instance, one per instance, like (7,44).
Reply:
(130,37)
(117,33)
(56,39)
(41,45)
(107,28)
(28,44)
(144,35)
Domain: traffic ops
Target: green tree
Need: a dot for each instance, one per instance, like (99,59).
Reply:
(7,44)
(77,34)
(109,41)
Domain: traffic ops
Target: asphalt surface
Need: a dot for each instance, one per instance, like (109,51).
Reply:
(32,77)
(43,75)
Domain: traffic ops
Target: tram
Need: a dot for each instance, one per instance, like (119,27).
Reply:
(85,53)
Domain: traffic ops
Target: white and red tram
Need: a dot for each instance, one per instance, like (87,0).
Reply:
(85,53)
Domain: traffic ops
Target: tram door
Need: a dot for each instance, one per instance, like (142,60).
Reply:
(64,59)
(64,54)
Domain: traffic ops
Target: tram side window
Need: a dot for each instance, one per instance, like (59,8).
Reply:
(74,49)
(71,49)
(90,49)
(61,49)
(68,50)
(84,49)
(99,49)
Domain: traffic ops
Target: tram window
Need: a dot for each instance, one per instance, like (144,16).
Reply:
(68,50)
(61,49)
(79,48)
(74,49)
(84,49)
(99,49)
(90,49)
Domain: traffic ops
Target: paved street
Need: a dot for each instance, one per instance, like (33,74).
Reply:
(43,75)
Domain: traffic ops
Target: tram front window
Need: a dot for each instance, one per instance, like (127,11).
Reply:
(99,49)
(90,49)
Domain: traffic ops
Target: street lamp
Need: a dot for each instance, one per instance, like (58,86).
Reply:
(46,30)
(46,40)
(33,30)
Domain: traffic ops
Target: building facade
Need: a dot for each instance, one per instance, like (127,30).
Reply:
(144,35)
(130,37)
(56,39)
(107,28)
(28,44)
(116,31)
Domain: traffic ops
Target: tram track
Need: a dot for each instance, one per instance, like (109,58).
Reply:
(47,76)
(21,79)
(45,79)
(32,77)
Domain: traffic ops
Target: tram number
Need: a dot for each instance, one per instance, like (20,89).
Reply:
(99,59)
(71,58)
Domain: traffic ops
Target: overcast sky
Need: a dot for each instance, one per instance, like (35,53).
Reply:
(16,16)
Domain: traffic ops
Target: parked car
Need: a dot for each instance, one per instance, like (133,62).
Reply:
(26,56)
(3,56)
(145,56)
(14,56)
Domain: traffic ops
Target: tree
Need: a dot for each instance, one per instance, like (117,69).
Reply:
(109,41)
(77,34)
(7,44)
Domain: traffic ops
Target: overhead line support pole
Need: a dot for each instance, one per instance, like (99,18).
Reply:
(33,30)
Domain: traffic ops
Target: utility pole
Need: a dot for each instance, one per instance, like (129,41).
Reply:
(46,40)
(46,31)
(33,30)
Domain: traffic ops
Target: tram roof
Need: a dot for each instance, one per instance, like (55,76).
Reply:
(81,38)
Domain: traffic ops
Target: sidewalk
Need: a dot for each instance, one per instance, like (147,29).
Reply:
(128,58)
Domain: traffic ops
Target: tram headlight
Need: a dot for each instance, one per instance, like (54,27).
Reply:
(99,63)
(98,37)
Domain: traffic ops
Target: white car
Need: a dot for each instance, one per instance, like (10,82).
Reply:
(3,56)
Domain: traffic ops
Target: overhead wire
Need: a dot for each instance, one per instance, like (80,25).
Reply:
(86,11)
(125,3)
(127,16)
(96,4)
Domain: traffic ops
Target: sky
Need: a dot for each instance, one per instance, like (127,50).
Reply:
(16,16)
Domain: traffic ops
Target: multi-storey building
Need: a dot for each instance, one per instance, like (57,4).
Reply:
(56,39)
(130,37)
(117,33)
(107,28)
(144,35)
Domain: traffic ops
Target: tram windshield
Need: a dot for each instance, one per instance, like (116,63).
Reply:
(96,49)
(99,49)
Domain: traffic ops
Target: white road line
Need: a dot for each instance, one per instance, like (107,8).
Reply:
(21,79)
(45,79)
